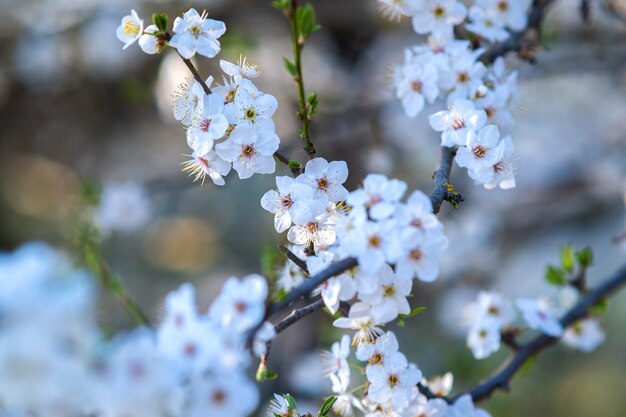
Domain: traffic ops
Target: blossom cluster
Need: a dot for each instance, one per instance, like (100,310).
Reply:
(229,125)
(491,314)
(49,334)
(481,98)
(393,242)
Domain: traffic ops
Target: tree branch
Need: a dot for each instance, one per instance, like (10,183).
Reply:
(501,378)
(444,191)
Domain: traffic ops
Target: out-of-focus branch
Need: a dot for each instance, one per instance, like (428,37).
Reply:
(516,42)
(502,377)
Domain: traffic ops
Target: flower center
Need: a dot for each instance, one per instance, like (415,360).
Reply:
(415,254)
(483,334)
(240,307)
(190,350)
(416,223)
(131,28)
(376,359)
(439,12)
(323,183)
(286,202)
(312,227)
(499,167)
(374,241)
(218,397)
(503,6)
(463,77)
(204,162)
(493,310)
(389,290)
(205,124)
(250,113)
(417,86)
(479,151)
(393,380)
(195,31)
(458,123)
(247,151)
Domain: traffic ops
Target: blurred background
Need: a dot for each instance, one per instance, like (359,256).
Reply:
(75,109)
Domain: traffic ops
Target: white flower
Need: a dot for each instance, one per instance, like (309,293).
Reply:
(195,33)
(326,178)
(292,202)
(585,335)
(240,304)
(390,298)
(335,361)
(456,123)
(231,394)
(250,150)
(501,173)
(149,42)
(420,406)
(464,71)
(483,149)
(372,244)
(464,407)
(419,253)
(123,207)
(334,290)
(130,29)
(538,314)
(211,164)
(359,319)
(440,385)
(393,383)
(487,25)
(207,125)
(394,9)
(280,406)
(241,69)
(417,213)
(189,100)
(438,15)
(484,338)
(512,13)
(377,353)
(379,195)
(252,110)
(320,231)
(415,83)
(490,306)
(265,334)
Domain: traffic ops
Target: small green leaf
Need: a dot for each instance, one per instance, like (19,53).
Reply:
(160,20)
(280,295)
(585,257)
(264,373)
(401,323)
(313,101)
(528,366)
(294,164)
(555,276)
(567,258)
(283,5)
(290,67)
(413,312)
(599,308)
(327,406)
(291,402)
(305,19)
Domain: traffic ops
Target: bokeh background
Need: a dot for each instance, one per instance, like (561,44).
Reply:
(76,109)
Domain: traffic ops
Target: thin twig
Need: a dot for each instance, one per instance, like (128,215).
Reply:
(294,258)
(502,377)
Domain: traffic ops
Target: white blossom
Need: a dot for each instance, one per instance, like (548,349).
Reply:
(538,314)
(585,335)
(130,29)
(196,33)
(250,150)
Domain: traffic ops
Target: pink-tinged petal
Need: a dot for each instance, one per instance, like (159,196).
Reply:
(271,201)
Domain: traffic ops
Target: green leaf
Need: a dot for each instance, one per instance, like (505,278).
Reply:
(401,323)
(290,402)
(283,5)
(567,258)
(290,67)
(555,276)
(305,19)
(599,308)
(264,373)
(280,295)
(413,312)
(313,101)
(528,366)
(294,164)
(326,407)
(585,257)
(160,20)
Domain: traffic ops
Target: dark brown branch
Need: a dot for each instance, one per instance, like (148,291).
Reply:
(196,74)
(444,191)
(299,313)
(294,258)
(516,42)
(502,378)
